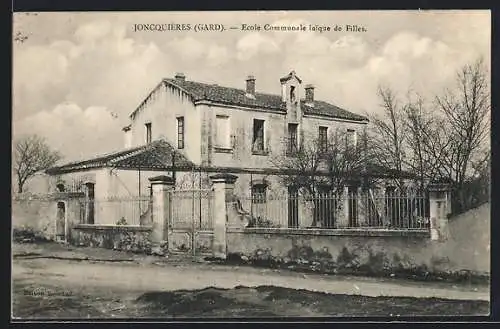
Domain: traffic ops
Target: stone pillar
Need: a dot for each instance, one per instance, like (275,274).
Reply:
(438,204)
(223,187)
(104,212)
(343,218)
(161,187)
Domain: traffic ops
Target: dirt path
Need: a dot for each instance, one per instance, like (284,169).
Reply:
(132,277)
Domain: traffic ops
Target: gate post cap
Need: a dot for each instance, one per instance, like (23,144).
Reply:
(223,177)
(162,179)
(439,186)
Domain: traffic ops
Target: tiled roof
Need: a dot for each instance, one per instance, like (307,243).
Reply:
(233,96)
(154,156)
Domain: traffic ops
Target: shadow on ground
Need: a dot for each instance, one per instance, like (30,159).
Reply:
(239,302)
(271,301)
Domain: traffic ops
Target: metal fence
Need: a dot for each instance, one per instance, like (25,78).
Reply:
(191,209)
(131,210)
(353,209)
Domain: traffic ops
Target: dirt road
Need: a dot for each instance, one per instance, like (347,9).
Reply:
(54,281)
(147,276)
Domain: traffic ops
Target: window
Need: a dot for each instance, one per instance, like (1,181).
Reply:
(292,94)
(351,138)
(258,136)
(323,138)
(222,133)
(292,138)
(259,193)
(148,132)
(180,132)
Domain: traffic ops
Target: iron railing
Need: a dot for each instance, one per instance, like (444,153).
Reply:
(131,210)
(352,209)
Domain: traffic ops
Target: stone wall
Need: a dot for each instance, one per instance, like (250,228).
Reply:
(39,212)
(126,238)
(370,251)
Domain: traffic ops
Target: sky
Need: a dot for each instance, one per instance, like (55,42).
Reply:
(78,76)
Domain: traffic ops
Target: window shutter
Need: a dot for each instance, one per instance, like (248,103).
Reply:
(267,134)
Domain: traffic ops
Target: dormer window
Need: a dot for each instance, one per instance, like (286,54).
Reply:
(292,94)
(292,142)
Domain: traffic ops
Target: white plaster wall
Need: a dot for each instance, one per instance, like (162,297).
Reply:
(311,126)
(161,109)
(241,129)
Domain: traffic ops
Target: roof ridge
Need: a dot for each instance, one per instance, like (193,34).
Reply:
(173,80)
(220,86)
(97,157)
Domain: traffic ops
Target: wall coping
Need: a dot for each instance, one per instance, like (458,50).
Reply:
(111,227)
(48,196)
(162,179)
(224,177)
(333,232)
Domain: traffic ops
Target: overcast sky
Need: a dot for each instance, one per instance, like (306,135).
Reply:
(78,76)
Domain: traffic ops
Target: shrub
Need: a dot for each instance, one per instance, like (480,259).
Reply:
(261,222)
(25,234)
(121,221)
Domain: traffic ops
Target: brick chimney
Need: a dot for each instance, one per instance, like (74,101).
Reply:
(309,94)
(250,86)
(180,77)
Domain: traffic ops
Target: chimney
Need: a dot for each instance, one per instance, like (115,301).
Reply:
(309,94)
(250,86)
(180,77)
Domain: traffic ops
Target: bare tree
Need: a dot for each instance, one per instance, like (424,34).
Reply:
(32,155)
(323,167)
(425,143)
(466,109)
(387,133)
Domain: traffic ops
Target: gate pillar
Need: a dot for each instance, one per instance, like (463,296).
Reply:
(223,187)
(161,187)
(439,196)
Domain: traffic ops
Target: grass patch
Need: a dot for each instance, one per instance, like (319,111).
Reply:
(44,302)
(28,235)
(38,302)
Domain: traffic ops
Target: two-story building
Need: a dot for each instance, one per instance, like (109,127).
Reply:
(190,130)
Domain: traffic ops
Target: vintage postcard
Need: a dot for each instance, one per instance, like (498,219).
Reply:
(250,165)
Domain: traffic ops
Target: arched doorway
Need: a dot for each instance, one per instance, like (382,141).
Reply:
(61,222)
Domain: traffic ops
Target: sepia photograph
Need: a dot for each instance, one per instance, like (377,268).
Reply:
(250,165)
